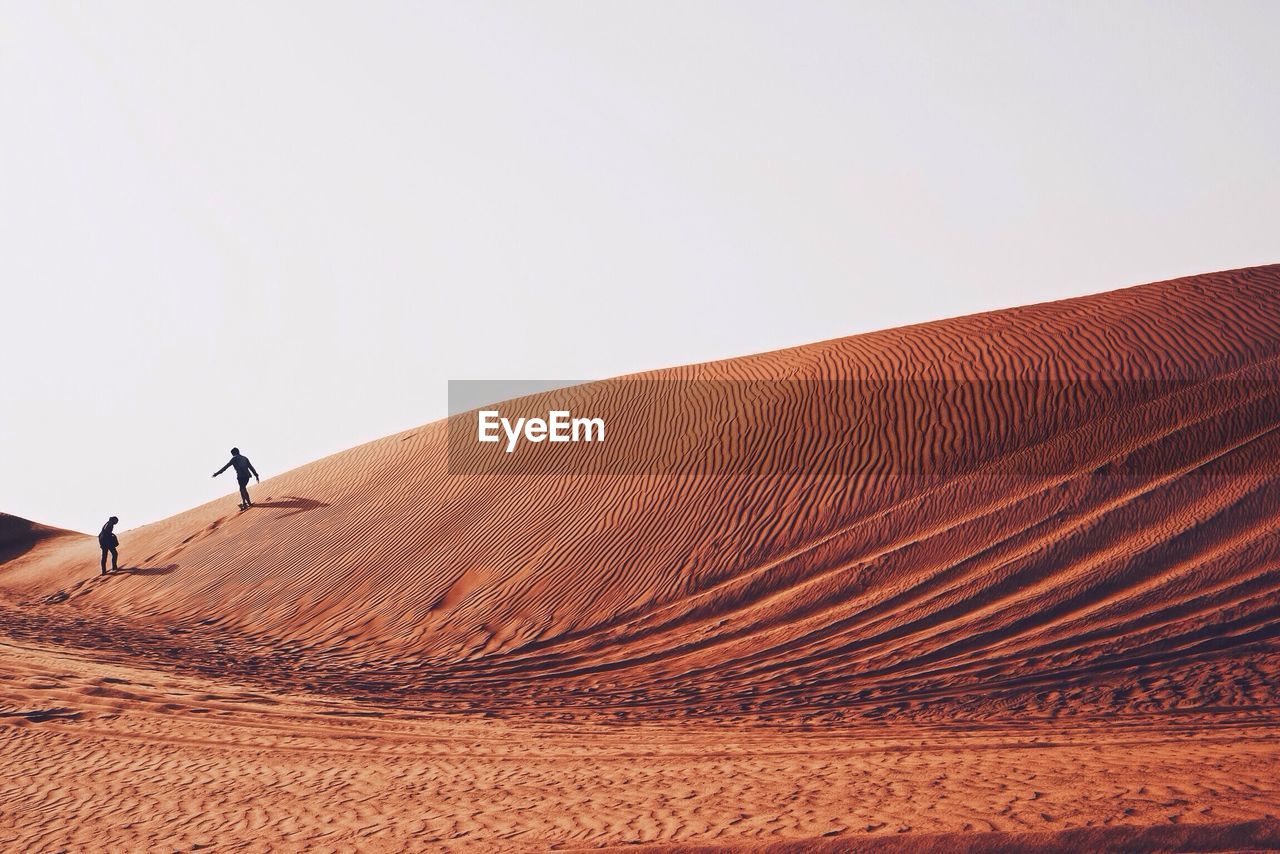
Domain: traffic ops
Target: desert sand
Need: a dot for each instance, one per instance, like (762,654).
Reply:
(1068,643)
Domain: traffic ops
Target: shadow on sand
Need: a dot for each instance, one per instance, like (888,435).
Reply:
(292,502)
(143,570)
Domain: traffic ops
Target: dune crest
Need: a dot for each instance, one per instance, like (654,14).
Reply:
(19,536)
(1052,589)
(1070,641)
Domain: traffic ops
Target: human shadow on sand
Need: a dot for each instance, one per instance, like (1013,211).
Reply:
(292,502)
(143,570)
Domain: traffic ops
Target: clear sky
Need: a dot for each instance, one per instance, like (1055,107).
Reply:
(287,225)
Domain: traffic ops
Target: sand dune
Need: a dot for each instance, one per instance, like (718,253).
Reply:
(19,536)
(1076,628)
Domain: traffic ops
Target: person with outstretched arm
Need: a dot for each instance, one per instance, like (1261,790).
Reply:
(108,541)
(243,468)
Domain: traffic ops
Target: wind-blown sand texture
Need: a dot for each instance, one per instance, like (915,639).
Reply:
(1072,646)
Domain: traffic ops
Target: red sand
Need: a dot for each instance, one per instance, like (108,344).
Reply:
(384,655)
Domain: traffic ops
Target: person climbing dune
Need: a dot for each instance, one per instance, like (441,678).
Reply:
(243,468)
(108,540)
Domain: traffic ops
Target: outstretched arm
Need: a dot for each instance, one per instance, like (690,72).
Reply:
(224,468)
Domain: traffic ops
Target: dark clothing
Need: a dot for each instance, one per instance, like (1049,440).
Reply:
(243,468)
(108,541)
(107,536)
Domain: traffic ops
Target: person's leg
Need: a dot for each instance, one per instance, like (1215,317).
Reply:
(104,561)
(244,492)
(113,558)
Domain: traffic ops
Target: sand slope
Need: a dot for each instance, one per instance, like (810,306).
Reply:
(1112,562)
(814,590)
(19,536)
(103,754)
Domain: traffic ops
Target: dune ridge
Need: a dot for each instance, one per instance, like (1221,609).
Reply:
(809,590)
(1106,573)
(19,536)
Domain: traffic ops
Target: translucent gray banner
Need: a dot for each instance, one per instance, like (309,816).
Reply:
(1214,425)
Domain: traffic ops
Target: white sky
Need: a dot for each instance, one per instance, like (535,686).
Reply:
(286,225)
